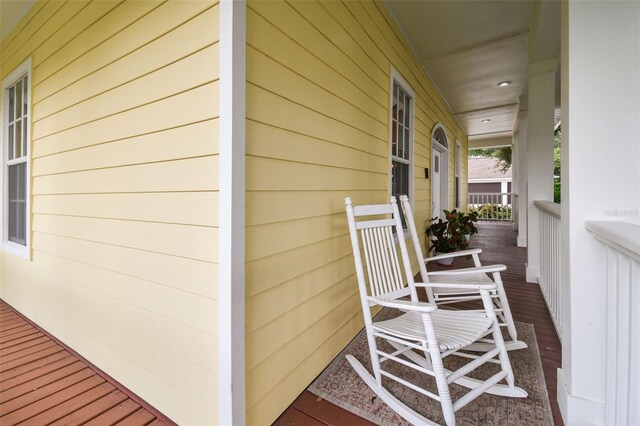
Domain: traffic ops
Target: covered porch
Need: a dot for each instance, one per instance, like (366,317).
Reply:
(498,243)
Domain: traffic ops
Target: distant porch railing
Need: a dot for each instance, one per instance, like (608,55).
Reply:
(550,265)
(492,205)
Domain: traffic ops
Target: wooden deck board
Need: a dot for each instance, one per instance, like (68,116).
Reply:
(115,414)
(498,243)
(42,382)
(93,409)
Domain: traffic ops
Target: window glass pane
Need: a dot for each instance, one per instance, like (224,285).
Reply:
(12,99)
(401,107)
(400,141)
(407,110)
(25,87)
(24,136)
(400,182)
(11,155)
(405,154)
(395,102)
(17,203)
(18,140)
(18,99)
(457,191)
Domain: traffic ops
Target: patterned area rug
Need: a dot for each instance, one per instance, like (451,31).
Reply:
(342,386)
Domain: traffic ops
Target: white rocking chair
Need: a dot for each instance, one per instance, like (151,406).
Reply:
(474,275)
(424,334)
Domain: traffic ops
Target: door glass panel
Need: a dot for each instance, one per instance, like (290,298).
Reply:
(436,164)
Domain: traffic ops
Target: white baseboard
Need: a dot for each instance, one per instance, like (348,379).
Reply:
(522,241)
(576,410)
(532,275)
(563,394)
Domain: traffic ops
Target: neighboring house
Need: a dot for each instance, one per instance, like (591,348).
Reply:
(485,176)
(174,175)
(125,239)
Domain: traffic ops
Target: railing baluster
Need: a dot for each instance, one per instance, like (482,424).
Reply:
(492,205)
(550,267)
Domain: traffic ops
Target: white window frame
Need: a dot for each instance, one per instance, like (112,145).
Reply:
(457,173)
(406,87)
(23,251)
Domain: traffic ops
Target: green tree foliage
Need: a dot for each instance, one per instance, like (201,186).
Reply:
(503,154)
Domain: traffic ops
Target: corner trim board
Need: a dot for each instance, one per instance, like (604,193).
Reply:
(231,300)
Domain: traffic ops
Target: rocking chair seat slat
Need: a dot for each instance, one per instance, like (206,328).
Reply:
(454,329)
(479,278)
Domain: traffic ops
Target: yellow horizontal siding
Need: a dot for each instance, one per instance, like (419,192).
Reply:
(158,54)
(302,355)
(181,76)
(188,107)
(178,175)
(148,207)
(60,304)
(163,269)
(125,192)
(192,242)
(317,131)
(153,147)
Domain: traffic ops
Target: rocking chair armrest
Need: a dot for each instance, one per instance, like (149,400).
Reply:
(454,254)
(405,305)
(456,286)
(472,270)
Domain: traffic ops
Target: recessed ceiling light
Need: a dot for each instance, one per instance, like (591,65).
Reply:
(504,83)
(486,120)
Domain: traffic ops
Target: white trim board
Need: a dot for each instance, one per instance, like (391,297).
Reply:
(231,296)
(576,410)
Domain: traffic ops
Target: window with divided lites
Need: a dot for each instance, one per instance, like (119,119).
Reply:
(16,134)
(401,141)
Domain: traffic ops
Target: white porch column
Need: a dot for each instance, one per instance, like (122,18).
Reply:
(514,179)
(520,154)
(600,176)
(542,90)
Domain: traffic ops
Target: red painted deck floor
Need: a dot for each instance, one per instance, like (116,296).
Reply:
(42,382)
(498,244)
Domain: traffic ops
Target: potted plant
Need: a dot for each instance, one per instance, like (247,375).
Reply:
(466,223)
(448,236)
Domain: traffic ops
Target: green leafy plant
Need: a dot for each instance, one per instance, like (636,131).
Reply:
(448,235)
(467,221)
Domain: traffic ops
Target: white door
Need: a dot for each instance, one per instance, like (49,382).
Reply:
(435,185)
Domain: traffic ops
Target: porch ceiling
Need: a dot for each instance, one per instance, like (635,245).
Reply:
(470,46)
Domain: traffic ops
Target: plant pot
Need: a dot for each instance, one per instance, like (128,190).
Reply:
(445,262)
(467,236)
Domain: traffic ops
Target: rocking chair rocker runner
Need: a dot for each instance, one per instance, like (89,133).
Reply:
(477,274)
(424,334)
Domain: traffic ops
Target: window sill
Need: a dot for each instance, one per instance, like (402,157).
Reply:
(16,249)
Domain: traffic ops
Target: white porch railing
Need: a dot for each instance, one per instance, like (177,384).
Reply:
(621,262)
(550,264)
(492,205)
